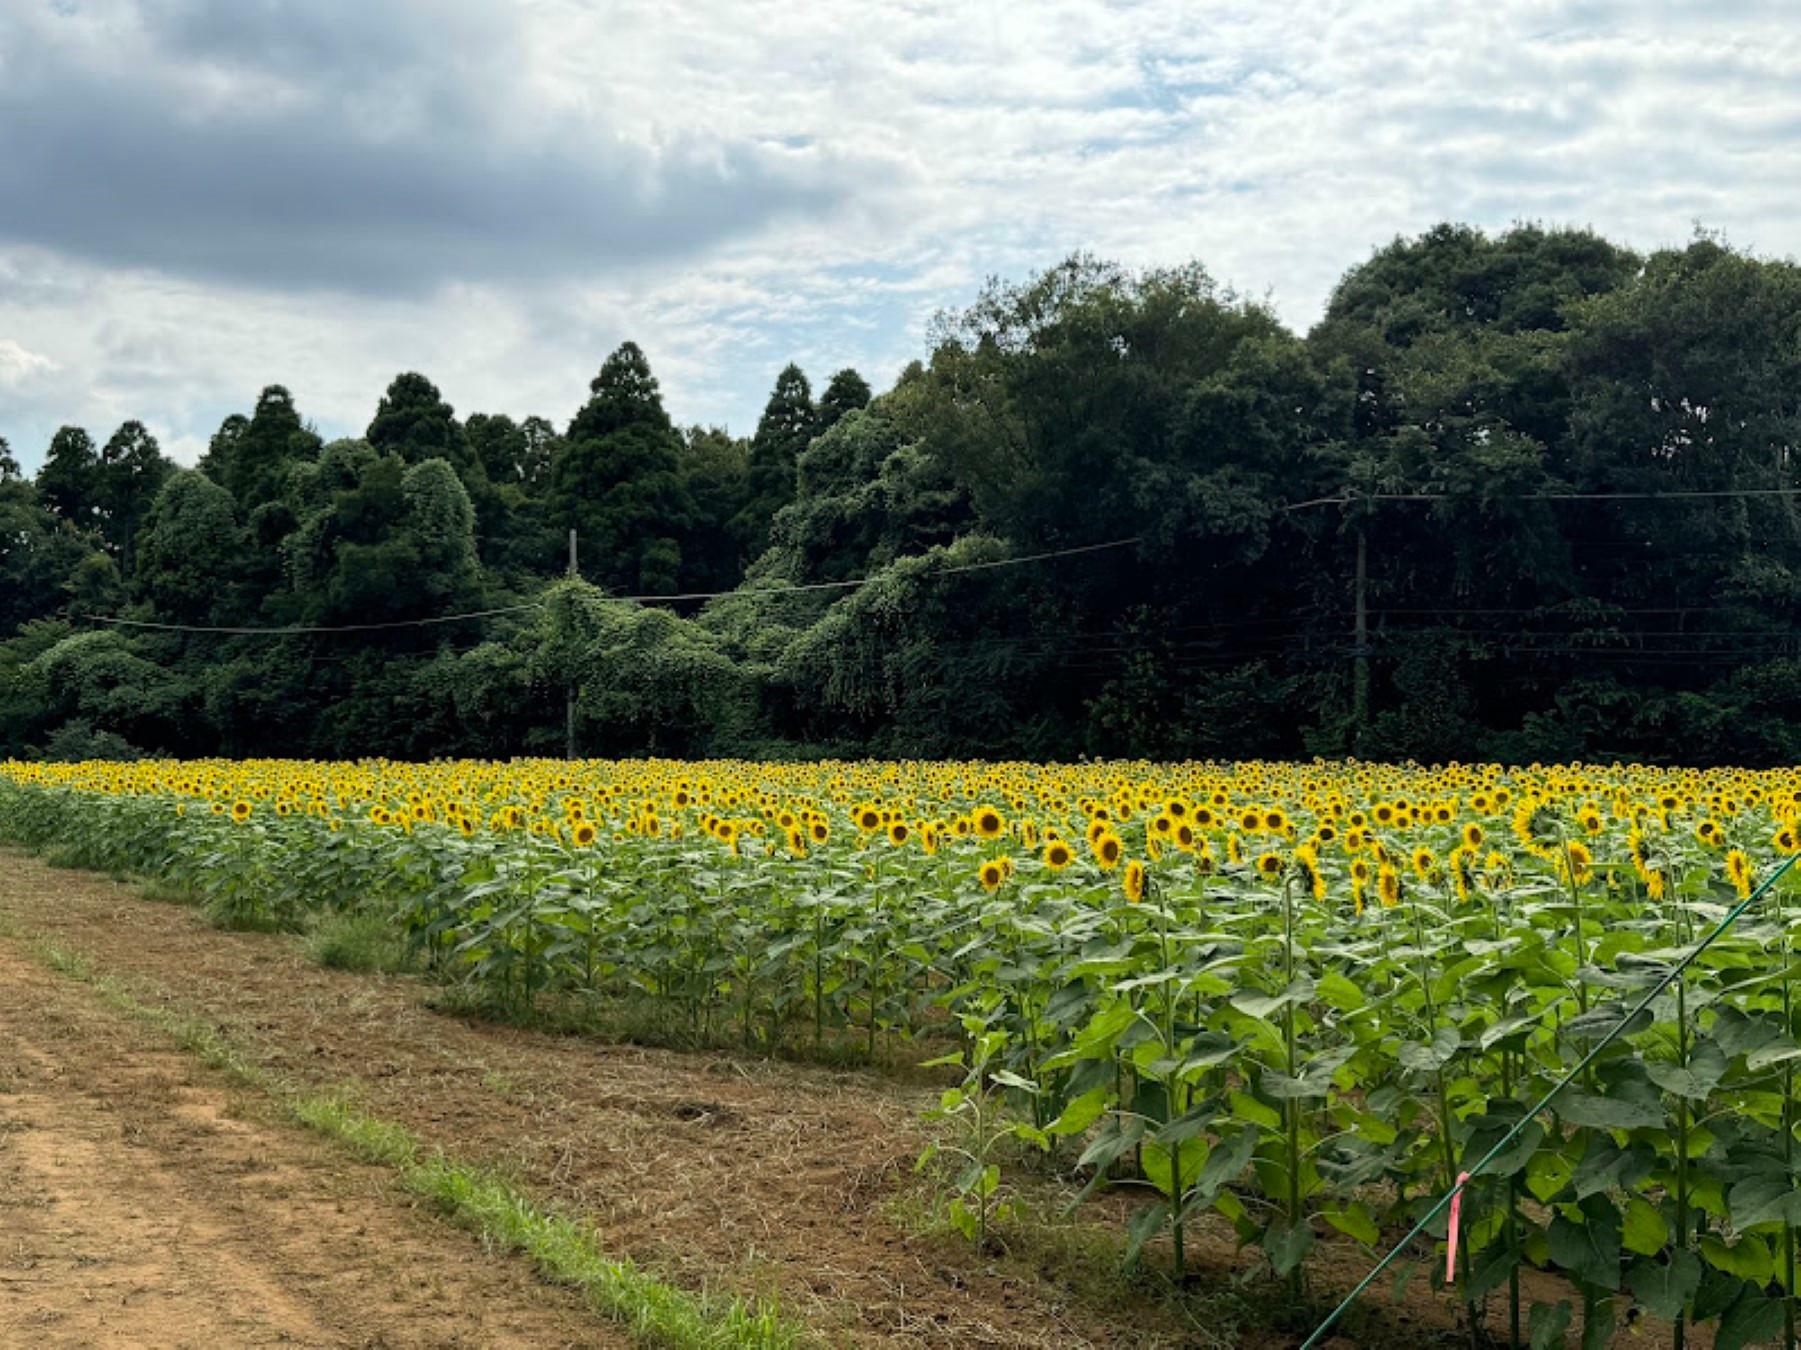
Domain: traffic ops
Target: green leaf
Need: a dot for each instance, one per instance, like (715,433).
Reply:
(1738,1034)
(1516,1156)
(1766,1199)
(1547,1174)
(1283,1088)
(1081,1112)
(1247,1107)
(1665,1289)
(1748,1258)
(1753,1319)
(1643,1230)
(1287,1244)
(1432,1056)
(1144,1225)
(1706,1066)
(1225,1164)
(1498,1261)
(1007,1078)
(1608,1113)
(1354,1221)
(1597,1327)
(1590,1248)
(1340,992)
(1261,1006)
(1779,1051)
(1547,1323)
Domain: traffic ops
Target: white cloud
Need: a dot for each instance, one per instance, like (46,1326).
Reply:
(19,364)
(915,147)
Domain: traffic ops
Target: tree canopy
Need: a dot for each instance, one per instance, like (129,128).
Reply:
(1104,512)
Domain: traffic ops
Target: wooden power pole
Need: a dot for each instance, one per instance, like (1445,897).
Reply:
(1360,644)
(569,693)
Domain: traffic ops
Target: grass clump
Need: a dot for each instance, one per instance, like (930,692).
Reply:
(358,941)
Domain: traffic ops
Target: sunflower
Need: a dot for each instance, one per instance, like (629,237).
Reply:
(898,831)
(988,823)
(1425,866)
(582,833)
(241,810)
(1535,826)
(1133,881)
(1738,868)
(1388,886)
(1269,864)
(1108,850)
(1577,862)
(1058,855)
(1462,861)
(1496,870)
(1472,835)
(1306,862)
(991,875)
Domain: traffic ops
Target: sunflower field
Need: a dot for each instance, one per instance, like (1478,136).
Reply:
(1298,997)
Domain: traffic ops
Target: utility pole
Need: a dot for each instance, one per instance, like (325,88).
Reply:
(569,700)
(1360,643)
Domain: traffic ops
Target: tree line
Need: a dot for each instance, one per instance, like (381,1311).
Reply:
(1556,478)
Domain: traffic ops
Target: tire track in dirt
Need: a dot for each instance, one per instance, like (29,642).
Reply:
(146,1201)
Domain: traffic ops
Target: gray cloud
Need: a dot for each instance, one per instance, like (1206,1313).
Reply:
(294,144)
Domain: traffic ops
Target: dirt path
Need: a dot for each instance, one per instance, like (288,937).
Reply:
(769,1177)
(143,1201)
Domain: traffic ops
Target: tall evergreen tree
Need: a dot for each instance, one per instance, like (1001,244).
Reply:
(131,472)
(68,482)
(847,393)
(784,430)
(618,480)
(414,422)
(251,459)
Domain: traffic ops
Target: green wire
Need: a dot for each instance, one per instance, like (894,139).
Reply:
(1669,977)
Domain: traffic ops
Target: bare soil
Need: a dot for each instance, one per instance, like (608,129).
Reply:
(143,1201)
(765,1177)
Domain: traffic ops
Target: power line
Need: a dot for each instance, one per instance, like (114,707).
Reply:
(302,630)
(1347,499)
(796,588)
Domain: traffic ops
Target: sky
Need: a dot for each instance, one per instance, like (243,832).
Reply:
(202,197)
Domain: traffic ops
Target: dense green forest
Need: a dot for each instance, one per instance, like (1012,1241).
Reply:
(1566,468)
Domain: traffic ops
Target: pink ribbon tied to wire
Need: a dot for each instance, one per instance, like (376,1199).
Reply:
(1451,1236)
